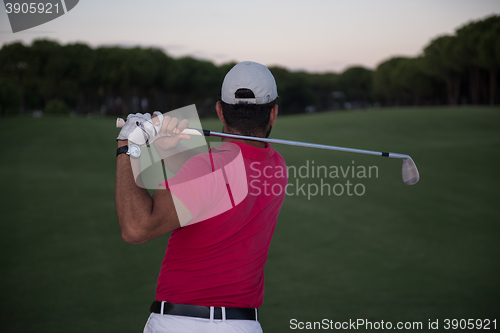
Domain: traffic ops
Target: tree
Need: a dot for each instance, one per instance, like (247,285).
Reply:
(79,88)
(294,90)
(488,57)
(108,74)
(161,90)
(442,60)
(474,56)
(385,86)
(138,70)
(324,86)
(356,83)
(198,81)
(52,68)
(18,65)
(417,86)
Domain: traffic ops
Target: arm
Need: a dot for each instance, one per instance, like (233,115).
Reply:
(141,217)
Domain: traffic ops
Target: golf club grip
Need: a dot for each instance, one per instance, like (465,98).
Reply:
(191,131)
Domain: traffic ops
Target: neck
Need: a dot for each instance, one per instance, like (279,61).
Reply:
(257,144)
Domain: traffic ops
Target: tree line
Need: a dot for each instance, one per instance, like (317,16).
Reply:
(55,78)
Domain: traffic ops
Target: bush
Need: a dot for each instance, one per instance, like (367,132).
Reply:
(56,106)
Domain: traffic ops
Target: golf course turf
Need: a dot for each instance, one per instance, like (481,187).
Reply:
(396,253)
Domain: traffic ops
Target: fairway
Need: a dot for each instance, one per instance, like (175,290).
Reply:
(396,253)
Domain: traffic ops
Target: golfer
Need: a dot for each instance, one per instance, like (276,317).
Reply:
(212,276)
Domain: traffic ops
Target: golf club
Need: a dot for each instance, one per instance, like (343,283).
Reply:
(409,170)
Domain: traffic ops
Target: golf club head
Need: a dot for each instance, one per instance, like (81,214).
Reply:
(409,172)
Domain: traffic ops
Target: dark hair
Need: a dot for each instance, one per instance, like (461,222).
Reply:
(247,119)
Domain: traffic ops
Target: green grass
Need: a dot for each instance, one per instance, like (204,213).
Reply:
(397,253)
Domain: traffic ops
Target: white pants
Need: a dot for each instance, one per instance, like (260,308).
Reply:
(158,323)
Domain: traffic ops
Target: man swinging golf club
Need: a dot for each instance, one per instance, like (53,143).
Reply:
(212,275)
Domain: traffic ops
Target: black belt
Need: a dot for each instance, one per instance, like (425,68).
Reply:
(199,311)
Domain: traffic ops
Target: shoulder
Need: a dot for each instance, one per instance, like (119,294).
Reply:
(279,158)
(195,167)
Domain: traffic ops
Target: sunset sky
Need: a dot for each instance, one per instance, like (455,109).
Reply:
(314,35)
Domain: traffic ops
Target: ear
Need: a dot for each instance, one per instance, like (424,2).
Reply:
(273,115)
(218,108)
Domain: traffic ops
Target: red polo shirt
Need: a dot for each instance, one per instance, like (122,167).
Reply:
(219,259)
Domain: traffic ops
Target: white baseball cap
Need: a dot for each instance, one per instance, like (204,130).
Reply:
(253,76)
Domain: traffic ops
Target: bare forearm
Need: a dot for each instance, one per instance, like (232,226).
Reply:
(133,203)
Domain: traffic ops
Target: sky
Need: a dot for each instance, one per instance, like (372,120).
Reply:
(313,35)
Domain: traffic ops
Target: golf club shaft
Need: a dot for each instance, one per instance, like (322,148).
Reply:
(192,131)
(409,170)
(303,144)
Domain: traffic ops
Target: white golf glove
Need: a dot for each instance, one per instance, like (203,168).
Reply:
(140,128)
